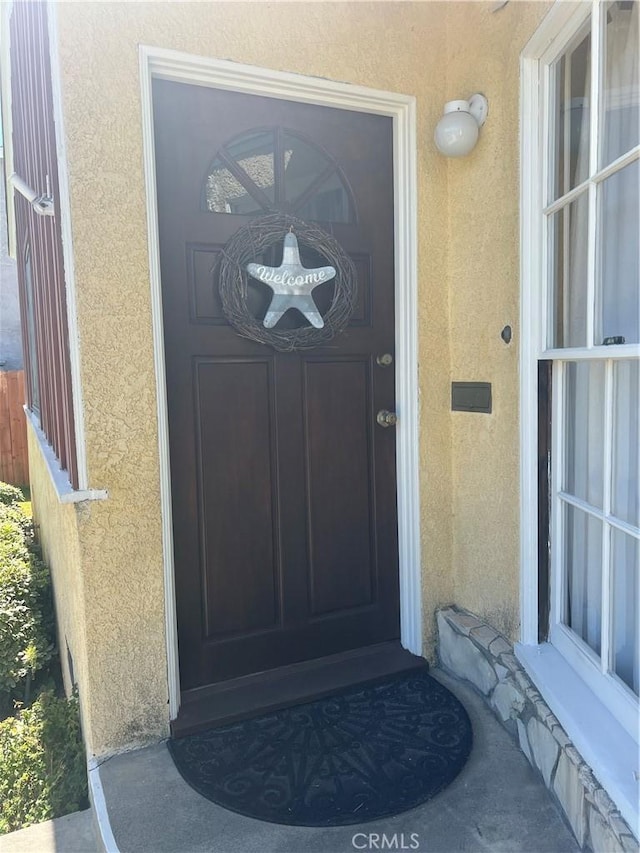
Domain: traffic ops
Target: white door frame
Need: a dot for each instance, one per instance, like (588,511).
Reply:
(222,74)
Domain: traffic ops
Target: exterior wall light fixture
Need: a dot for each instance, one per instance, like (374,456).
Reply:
(457,131)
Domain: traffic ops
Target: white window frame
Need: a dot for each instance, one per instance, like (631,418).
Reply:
(605,732)
(593,669)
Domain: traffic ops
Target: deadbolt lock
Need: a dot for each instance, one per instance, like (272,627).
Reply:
(386,419)
(385,359)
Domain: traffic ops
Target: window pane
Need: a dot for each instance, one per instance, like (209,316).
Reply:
(625,502)
(572,76)
(569,274)
(626,604)
(621,124)
(304,163)
(225,194)
(330,203)
(584,431)
(583,573)
(618,299)
(308,181)
(254,153)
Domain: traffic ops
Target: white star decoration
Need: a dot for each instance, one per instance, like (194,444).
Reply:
(291,284)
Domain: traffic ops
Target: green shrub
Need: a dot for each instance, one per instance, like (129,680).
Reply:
(42,763)
(26,610)
(10,494)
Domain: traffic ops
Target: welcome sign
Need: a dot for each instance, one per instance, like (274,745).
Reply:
(292,284)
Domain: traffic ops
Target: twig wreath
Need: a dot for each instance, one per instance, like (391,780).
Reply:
(246,246)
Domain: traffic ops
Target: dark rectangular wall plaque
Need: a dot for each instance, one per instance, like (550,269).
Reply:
(471,397)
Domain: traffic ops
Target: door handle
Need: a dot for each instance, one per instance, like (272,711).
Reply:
(386,418)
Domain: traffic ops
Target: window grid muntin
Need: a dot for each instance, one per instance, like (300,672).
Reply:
(616,353)
(280,201)
(594,20)
(607,572)
(592,351)
(610,522)
(599,177)
(536,60)
(613,521)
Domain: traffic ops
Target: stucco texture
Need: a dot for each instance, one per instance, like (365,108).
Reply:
(483,50)
(57,526)
(78,546)
(468,289)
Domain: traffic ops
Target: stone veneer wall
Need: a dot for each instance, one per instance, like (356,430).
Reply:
(472,650)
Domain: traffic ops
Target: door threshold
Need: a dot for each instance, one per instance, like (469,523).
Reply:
(250,695)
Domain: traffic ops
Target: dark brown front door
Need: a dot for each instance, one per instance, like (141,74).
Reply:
(283,483)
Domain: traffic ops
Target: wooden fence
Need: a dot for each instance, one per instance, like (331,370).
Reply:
(14,460)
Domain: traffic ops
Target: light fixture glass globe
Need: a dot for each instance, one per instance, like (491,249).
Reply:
(457,131)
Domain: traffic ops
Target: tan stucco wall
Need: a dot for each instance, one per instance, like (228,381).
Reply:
(79,543)
(467,248)
(483,50)
(57,528)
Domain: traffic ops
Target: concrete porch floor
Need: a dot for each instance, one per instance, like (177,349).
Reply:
(497,804)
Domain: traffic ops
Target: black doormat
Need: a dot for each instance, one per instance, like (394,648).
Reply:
(368,752)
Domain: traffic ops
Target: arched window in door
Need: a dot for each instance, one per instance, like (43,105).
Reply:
(278,169)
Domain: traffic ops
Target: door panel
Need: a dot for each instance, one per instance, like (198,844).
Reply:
(205,305)
(338,412)
(283,486)
(238,527)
